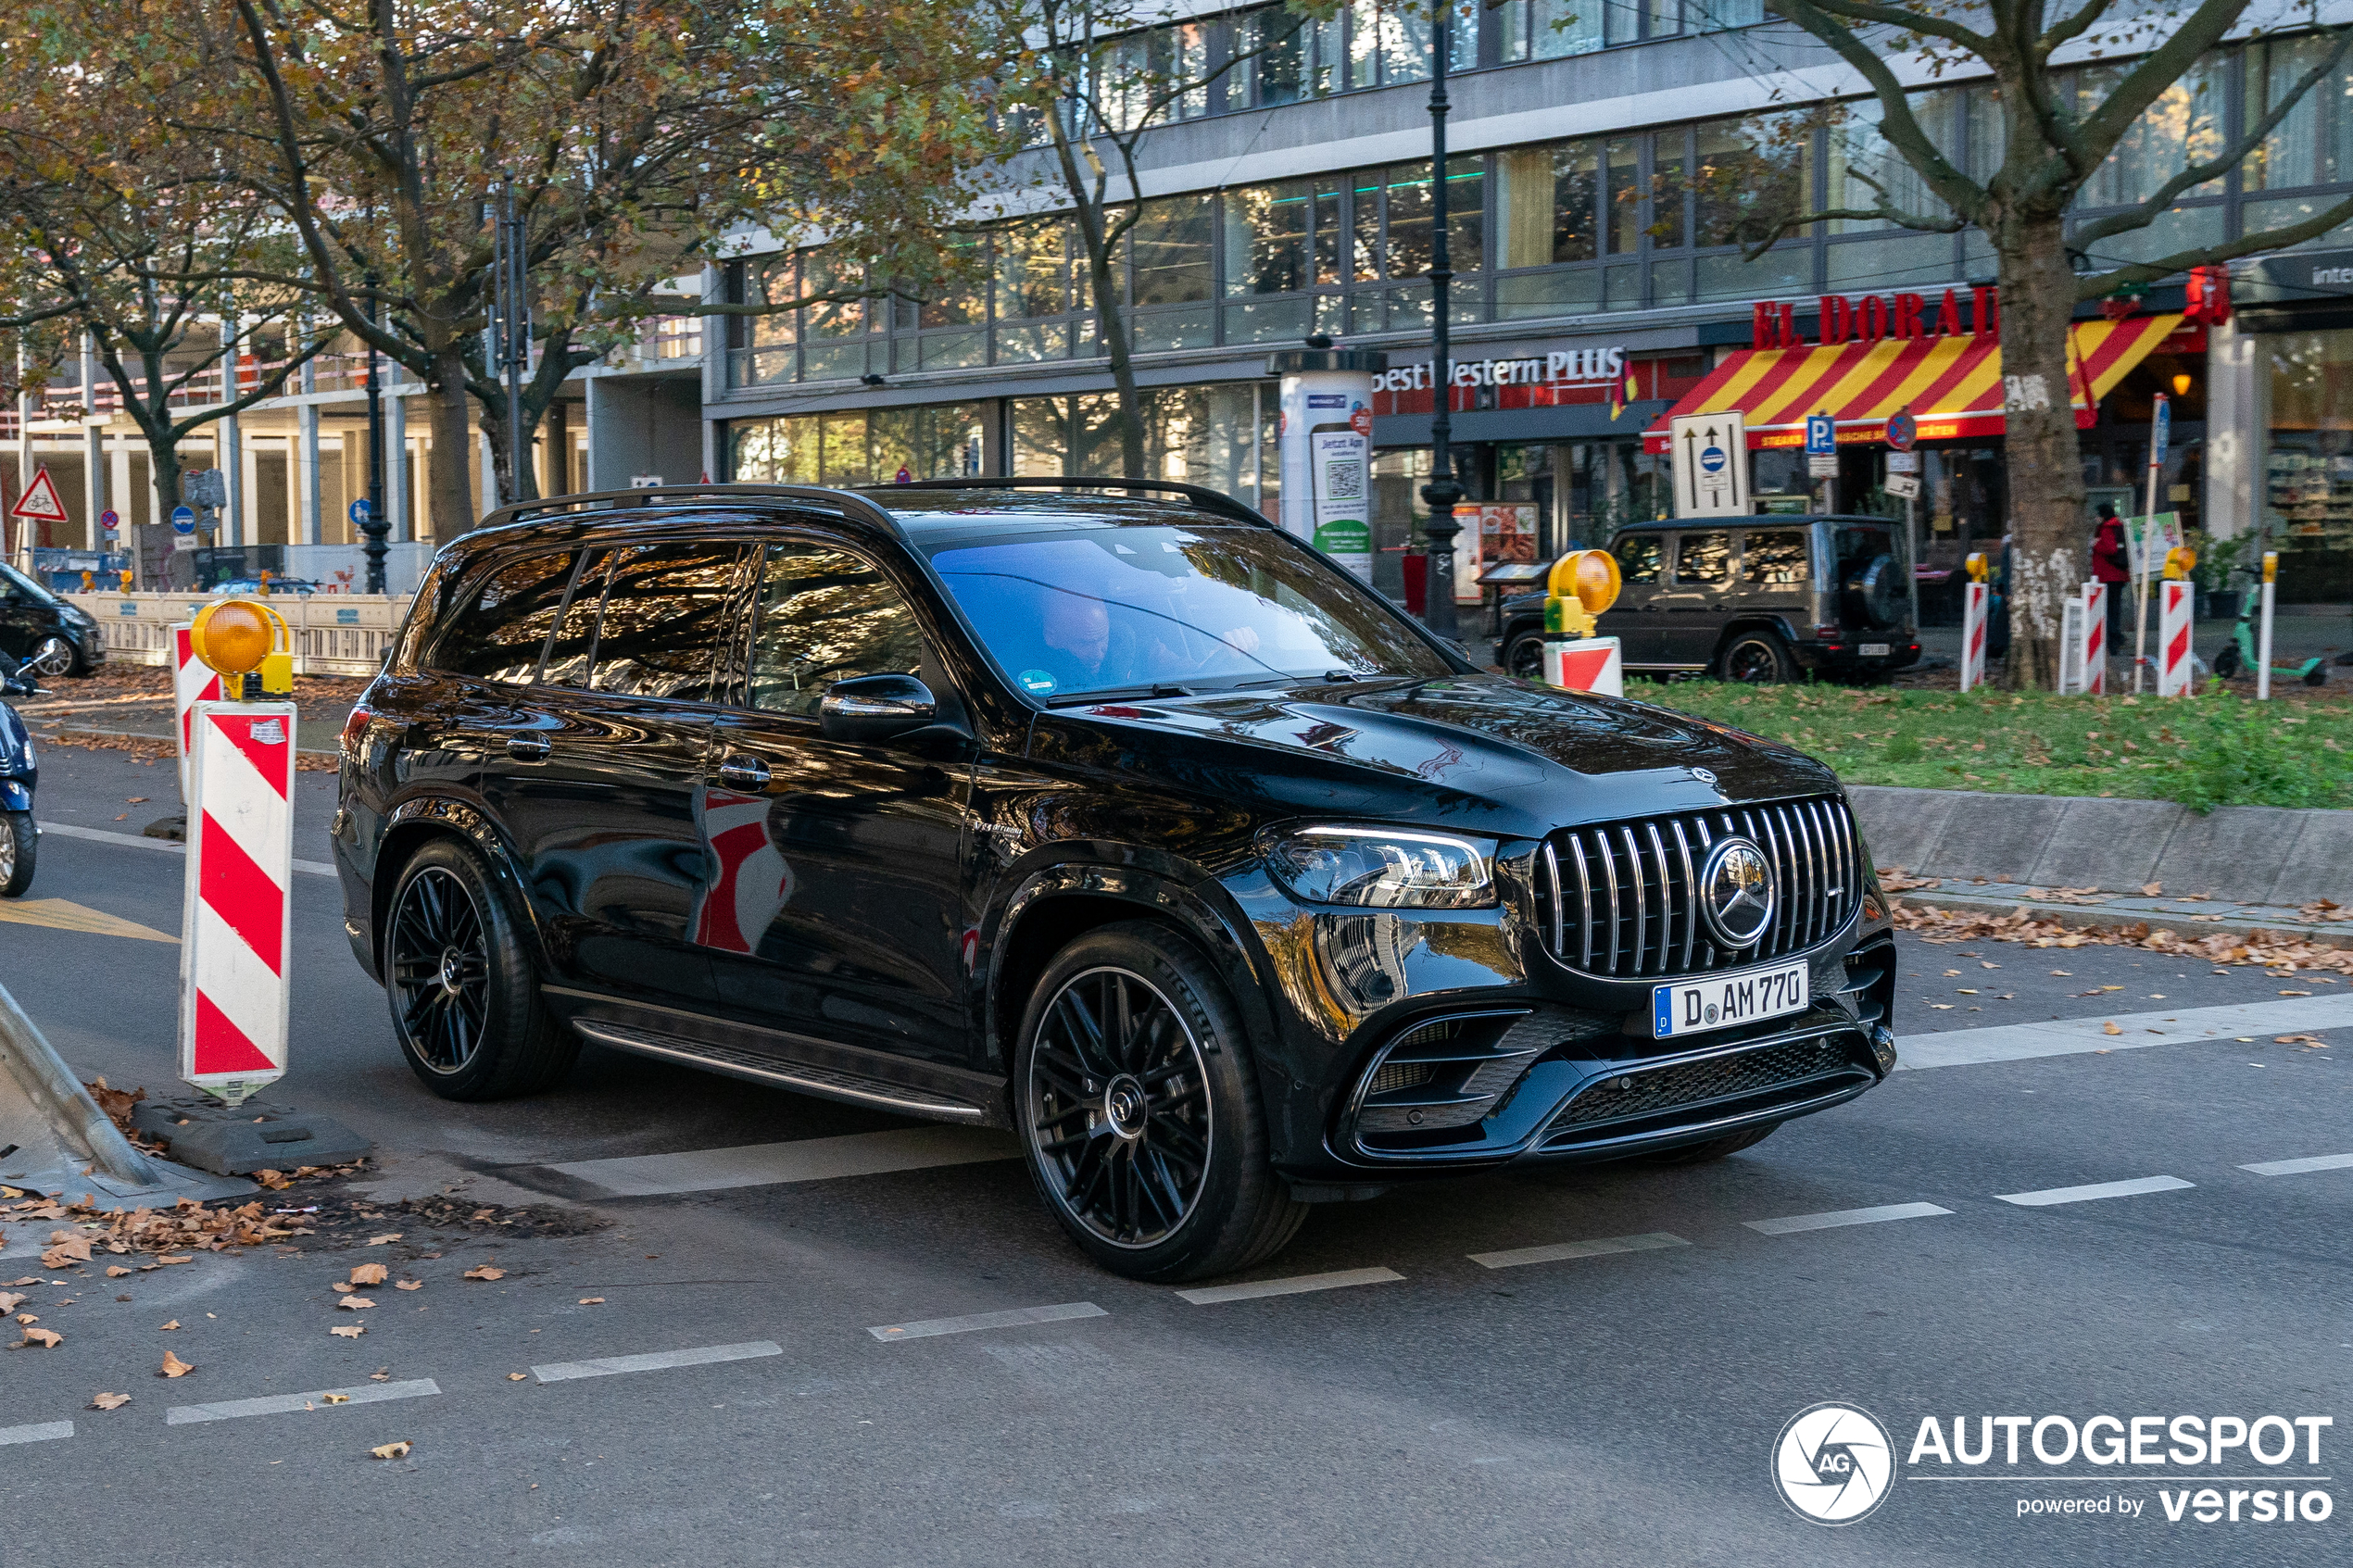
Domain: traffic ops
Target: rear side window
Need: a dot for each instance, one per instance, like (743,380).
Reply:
(1640,556)
(665,614)
(825,616)
(1775,560)
(503,625)
(1704,560)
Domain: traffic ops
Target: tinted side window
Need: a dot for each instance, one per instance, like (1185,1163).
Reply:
(825,616)
(1640,556)
(1705,559)
(574,648)
(665,614)
(503,625)
(1774,560)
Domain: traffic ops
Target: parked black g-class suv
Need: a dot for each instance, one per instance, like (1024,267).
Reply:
(1763,598)
(1105,812)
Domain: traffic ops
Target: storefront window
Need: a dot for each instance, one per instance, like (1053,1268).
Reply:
(2308,468)
(943,441)
(1209,436)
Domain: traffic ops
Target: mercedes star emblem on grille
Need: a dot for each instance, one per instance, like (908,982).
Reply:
(1736,891)
(1704,775)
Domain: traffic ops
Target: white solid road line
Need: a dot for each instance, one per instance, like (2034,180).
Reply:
(929,1328)
(1598,1247)
(41,1432)
(1790,1224)
(806,1160)
(1298,1285)
(2072,1037)
(655,1361)
(280,1404)
(2097,1189)
(2298,1167)
(139,841)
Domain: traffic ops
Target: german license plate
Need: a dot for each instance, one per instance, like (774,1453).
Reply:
(1875,650)
(1720,1001)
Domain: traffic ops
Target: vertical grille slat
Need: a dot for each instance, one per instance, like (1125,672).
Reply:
(1634,894)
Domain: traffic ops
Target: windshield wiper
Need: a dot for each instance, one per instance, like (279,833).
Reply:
(1115,694)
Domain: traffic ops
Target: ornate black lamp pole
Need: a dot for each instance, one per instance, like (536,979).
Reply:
(1443,491)
(376,525)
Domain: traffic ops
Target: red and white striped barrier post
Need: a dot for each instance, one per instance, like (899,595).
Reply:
(2175,669)
(238,911)
(2096,639)
(2263,627)
(1976,599)
(1586,664)
(193,682)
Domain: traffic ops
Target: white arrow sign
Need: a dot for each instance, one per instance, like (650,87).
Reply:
(1711,464)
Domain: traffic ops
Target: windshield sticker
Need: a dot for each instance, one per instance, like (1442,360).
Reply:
(1039,683)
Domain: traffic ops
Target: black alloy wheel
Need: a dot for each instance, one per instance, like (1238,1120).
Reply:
(440,970)
(464,993)
(1756,659)
(1118,1108)
(1137,1105)
(1524,655)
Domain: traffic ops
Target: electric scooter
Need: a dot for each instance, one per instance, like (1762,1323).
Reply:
(2238,654)
(20,839)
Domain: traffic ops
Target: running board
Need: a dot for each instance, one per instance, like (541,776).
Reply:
(799,1076)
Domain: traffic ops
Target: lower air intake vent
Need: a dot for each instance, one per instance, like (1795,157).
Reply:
(1696,1083)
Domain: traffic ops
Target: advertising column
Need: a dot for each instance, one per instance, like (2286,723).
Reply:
(1326,444)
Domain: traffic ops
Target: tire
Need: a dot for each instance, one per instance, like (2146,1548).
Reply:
(1701,1153)
(463,991)
(1758,658)
(53,655)
(2317,676)
(1524,657)
(2226,661)
(20,848)
(1148,1144)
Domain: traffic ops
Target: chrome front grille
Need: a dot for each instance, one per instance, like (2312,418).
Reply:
(1617,898)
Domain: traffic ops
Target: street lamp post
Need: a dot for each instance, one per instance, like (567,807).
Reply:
(1443,491)
(376,524)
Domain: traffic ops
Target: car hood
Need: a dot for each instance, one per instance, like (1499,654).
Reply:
(1485,751)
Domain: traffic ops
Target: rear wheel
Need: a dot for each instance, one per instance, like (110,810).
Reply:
(1758,658)
(1524,655)
(1138,1108)
(19,845)
(465,997)
(2317,676)
(1700,1153)
(2226,661)
(53,655)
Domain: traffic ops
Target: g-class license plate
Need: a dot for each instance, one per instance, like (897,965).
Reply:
(1719,1001)
(1876,650)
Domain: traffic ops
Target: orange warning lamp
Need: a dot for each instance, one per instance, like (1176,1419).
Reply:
(235,637)
(1583,584)
(2178,563)
(1977,568)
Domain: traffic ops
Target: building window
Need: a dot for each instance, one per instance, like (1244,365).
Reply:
(1212,435)
(867,446)
(1172,259)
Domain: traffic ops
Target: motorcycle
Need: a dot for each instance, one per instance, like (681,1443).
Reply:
(20,840)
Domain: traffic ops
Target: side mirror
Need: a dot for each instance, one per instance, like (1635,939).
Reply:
(874,708)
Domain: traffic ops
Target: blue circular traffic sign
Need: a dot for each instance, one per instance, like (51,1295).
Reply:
(1711,458)
(360,511)
(1903,430)
(184,520)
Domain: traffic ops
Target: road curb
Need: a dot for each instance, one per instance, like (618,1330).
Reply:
(2245,854)
(2092,917)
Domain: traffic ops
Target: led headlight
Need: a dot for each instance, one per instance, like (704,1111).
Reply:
(1384,868)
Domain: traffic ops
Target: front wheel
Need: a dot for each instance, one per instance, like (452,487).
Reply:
(1138,1110)
(19,847)
(464,993)
(1756,659)
(53,655)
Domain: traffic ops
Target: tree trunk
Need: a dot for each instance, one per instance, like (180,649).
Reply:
(2048,535)
(1129,417)
(449,466)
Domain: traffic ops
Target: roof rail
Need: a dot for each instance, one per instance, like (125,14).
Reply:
(1201,496)
(848,502)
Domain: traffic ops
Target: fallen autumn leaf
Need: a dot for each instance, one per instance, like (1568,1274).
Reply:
(349,1331)
(368,1274)
(174,1367)
(486,1272)
(110,1401)
(391,1450)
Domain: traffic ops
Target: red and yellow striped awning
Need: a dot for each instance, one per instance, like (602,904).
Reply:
(1953,386)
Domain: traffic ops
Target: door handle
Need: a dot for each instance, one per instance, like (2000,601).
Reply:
(529,748)
(744,773)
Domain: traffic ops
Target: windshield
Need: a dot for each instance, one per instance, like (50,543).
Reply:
(1080,610)
(27,587)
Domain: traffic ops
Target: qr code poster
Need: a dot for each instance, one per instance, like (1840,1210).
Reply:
(1343,478)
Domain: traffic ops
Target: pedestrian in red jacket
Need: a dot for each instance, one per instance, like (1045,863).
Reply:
(2111,565)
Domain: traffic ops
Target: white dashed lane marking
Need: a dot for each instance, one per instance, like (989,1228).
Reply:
(656,1361)
(40,1431)
(1297,1285)
(928,1328)
(134,841)
(2045,1198)
(2301,1167)
(282,1404)
(804,1160)
(1789,1224)
(1559,1251)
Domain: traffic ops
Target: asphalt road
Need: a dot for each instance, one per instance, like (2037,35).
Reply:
(1616,1403)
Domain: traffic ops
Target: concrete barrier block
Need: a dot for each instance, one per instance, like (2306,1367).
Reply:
(1992,836)
(2319,864)
(2106,844)
(1900,825)
(2237,852)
